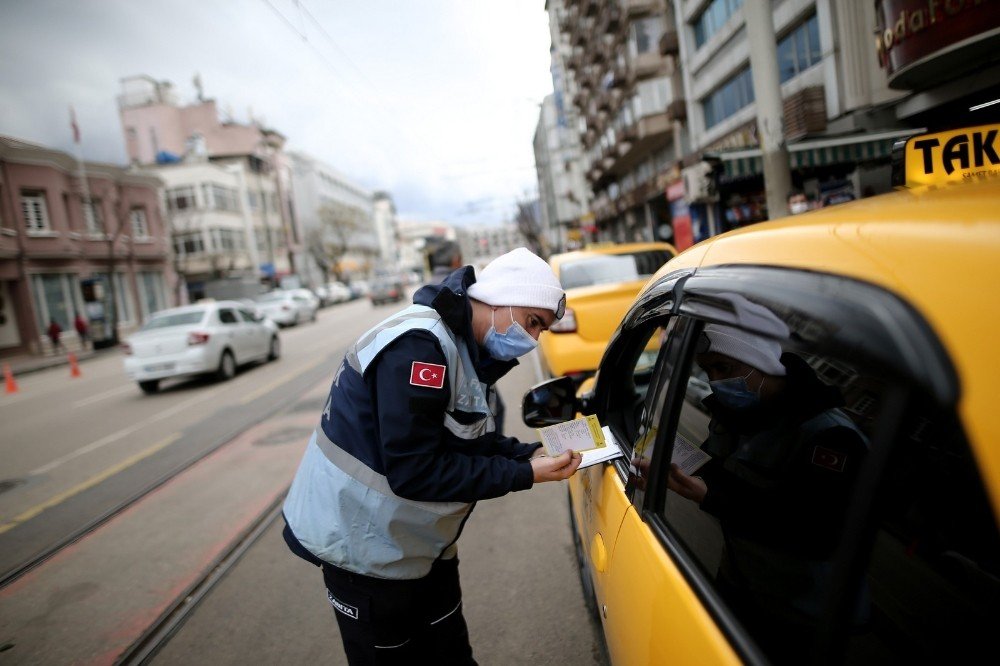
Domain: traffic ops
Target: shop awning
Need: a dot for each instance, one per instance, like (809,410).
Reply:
(817,152)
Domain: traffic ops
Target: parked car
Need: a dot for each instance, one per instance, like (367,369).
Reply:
(600,282)
(338,292)
(847,510)
(288,307)
(359,288)
(208,338)
(386,290)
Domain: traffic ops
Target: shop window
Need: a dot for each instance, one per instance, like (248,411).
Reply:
(151,290)
(35,211)
(54,296)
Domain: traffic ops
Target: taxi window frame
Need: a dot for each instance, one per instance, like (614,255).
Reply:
(903,344)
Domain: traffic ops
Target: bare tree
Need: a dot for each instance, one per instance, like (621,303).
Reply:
(528,224)
(123,210)
(337,226)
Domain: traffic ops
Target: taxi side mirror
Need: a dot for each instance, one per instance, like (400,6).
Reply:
(553,401)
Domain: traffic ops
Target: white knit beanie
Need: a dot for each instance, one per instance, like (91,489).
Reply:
(520,279)
(761,350)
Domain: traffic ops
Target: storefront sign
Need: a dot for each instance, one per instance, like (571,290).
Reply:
(914,36)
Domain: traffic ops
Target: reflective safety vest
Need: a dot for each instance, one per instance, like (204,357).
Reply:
(344,512)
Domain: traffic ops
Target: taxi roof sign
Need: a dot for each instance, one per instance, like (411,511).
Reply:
(961,155)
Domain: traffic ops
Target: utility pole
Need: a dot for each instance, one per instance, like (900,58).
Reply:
(770,117)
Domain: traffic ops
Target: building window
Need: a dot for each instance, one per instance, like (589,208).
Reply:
(713,18)
(140,227)
(93,220)
(122,301)
(799,50)
(652,97)
(730,97)
(221,198)
(181,198)
(644,35)
(229,240)
(36,213)
(189,243)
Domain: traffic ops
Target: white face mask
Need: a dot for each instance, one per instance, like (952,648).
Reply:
(798,207)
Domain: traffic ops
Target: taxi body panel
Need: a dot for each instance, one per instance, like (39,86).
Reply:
(933,249)
(596,308)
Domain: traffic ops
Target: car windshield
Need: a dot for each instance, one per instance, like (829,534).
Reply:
(604,269)
(174,319)
(272,297)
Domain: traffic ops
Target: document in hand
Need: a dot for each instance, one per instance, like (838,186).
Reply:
(579,435)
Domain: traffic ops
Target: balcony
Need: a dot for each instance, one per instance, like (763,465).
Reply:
(677,110)
(637,7)
(590,7)
(611,20)
(669,43)
(645,66)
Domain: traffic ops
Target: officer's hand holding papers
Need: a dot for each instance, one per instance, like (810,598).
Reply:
(583,436)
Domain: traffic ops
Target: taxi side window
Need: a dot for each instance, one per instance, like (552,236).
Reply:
(227,316)
(769,465)
(632,383)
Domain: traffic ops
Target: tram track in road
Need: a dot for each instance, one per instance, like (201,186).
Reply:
(143,650)
(258,415)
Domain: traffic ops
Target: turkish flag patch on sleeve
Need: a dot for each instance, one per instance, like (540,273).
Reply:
(427,374)
(828,458)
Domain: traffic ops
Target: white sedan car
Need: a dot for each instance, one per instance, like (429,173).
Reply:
(288,307)
(208,338)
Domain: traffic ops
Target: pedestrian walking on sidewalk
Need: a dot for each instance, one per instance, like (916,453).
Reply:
(81,330)
(407,443)
(54,331)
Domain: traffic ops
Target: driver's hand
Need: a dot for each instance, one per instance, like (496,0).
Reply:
(693,488)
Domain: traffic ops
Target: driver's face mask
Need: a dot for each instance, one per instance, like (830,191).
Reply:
(507,346)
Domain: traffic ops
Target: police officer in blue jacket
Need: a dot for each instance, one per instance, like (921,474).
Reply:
(407,443)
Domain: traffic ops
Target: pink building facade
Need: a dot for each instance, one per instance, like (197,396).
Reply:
(60,257)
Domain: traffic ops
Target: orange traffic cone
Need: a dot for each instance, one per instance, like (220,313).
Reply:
(9,379)
(74,369)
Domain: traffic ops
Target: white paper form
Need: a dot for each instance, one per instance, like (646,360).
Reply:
(609,451)
(687,456)
(580,434)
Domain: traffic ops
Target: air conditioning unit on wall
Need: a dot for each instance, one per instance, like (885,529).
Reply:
(699,183)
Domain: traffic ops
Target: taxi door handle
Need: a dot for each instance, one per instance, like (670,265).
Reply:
(598,553)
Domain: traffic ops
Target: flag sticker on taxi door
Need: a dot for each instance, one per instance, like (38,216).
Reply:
(427,374)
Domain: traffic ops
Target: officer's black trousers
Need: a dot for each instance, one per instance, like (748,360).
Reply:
(400,621)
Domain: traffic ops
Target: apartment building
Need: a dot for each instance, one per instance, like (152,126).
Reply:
(89,241)
(622,74)
(228,186)
(670,132)
(333,209)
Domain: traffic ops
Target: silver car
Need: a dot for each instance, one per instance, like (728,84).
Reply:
(207,338)
(288,307)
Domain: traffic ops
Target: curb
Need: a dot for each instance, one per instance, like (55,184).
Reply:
(36,364)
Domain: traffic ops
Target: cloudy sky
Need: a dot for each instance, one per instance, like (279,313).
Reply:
(435,101)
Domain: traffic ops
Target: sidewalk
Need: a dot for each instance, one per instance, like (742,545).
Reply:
(24,364)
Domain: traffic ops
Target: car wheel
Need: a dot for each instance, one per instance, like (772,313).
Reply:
(275,349)
(586,583)
(150,387)
(227,366)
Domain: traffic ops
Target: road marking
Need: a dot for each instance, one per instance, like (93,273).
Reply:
(101,396)
(104,441)
(89,483)
(253,395)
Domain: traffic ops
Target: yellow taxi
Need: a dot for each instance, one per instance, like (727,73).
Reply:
(601,282)
(812,440)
